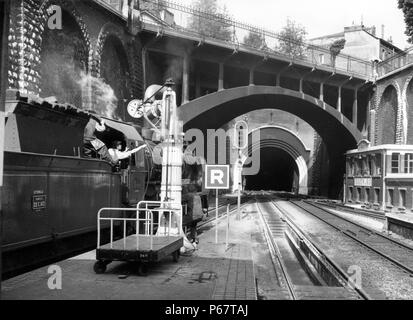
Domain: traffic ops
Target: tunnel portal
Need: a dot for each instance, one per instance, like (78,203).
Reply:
(278,172)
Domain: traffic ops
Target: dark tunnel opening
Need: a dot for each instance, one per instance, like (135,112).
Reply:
(278,172)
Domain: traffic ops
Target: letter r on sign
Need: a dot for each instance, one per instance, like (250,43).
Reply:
(217,176)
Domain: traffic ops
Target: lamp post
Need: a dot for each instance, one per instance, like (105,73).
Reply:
(240,143)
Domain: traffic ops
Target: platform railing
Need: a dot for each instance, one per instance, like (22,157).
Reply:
(164,210)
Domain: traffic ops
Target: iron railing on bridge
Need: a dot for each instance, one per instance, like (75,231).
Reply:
(396,62)
(223,29)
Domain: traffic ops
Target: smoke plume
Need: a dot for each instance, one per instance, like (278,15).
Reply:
(102,96)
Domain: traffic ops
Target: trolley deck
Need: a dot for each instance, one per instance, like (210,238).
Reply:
(158,233)
(162,247)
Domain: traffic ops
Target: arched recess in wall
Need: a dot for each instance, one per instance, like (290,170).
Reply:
(64,57)
(387,116)
(408,96)
(113,68)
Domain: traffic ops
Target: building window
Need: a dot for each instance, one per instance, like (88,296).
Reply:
(358,194)
(390,197)
(395,163)
(367,196)
(402,195)
(349,168)
(322,58)
(377,195)
(377,160)
(369,166)
(350,194)
(357,165)
(408,163)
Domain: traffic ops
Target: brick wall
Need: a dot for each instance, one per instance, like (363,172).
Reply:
(28,23)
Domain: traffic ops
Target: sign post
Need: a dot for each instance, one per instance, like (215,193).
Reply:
(227,234)
(216,177)
(216,216)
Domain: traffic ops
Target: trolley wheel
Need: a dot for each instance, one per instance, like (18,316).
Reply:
(99,267)
(142,270)
(175,256)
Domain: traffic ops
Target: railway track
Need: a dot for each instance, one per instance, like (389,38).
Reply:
(279,226)
(384,263)
(359,212)
(398,253)
(274,250)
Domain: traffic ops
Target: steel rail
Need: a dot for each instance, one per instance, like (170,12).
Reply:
(399,243)
(276,254)
(363,243)
(330,263)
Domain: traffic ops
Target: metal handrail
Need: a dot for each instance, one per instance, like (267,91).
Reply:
(309,53)
(148,220)
(341,61)
(396,62)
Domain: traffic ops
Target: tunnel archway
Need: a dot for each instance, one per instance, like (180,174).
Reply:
(279,142)
(338,133)
(278,172)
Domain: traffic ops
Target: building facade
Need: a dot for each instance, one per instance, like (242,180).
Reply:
(380,177)
(361,42)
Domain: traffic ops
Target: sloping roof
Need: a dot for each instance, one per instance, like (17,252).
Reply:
(128,130)
(329,36)
(13,97)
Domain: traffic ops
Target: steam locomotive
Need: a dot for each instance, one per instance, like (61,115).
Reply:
(51,193)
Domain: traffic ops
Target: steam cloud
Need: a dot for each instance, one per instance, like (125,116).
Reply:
(105,100)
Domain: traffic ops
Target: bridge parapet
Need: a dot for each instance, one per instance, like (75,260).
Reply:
(395,63)
(181,21)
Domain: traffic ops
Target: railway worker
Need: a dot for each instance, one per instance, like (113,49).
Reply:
(194,214)
(91,144)
(117,154)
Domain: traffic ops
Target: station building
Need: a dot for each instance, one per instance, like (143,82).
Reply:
(380,177)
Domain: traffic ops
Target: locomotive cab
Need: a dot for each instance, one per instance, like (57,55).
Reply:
(133,170)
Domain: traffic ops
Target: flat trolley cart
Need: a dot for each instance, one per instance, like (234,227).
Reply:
(158,234)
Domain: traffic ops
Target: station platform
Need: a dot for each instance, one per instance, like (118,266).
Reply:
(400,224)
(212,272)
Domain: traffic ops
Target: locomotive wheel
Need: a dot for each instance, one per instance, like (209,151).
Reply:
(175,256)
(99,267)
(142,270)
